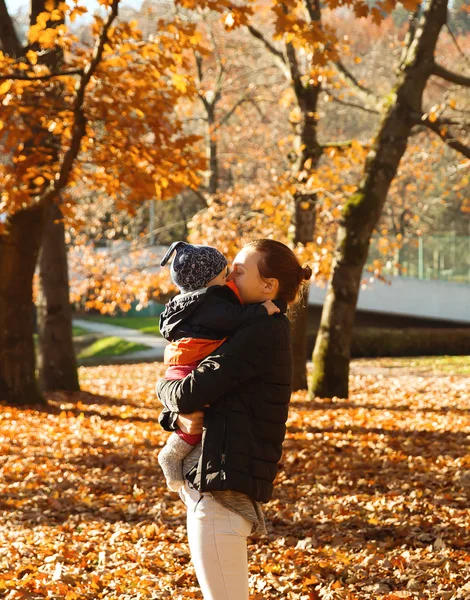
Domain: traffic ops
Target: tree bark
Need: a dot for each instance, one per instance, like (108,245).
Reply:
(361,213)
(19,246)
(57,362)
(213,178)
(19,250)
(298,316)
(11,44)
(304,224)
(308,149)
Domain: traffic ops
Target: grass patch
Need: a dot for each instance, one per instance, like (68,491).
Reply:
(78,331)
(111,346)
(143,324)
(451,365)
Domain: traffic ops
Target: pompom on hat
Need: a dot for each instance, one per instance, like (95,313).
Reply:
(194,266)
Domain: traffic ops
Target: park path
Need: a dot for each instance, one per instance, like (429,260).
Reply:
(156,343)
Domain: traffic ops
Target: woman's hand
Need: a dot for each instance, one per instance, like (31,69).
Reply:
(191,423)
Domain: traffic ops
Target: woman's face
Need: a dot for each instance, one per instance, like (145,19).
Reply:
(246,275)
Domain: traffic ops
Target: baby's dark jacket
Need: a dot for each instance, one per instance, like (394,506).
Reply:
(210,313)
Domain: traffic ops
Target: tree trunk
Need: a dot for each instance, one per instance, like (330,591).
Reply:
(11,44)
(57,362)
(304,225)
(362,212)
(213,177)
(19,249)
(298,316)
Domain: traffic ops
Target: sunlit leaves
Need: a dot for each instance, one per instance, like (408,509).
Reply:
(370,500)
(137,131)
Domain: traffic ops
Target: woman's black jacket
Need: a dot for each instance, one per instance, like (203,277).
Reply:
(247,384)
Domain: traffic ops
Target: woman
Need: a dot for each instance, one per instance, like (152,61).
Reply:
(245,387)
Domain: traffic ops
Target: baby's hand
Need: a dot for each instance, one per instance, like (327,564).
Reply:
(271,307)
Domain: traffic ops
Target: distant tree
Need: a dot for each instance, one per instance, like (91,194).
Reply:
(102,114)
(401,111)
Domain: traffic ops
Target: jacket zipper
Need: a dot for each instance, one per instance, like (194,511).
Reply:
(223,474)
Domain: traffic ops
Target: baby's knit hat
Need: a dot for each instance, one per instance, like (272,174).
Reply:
(194,266)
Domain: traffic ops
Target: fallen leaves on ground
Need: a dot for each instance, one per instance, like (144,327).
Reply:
(371,502)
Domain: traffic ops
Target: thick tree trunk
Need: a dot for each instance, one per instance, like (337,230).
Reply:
(304,225)
(19,250)
(362,212)
(11,44)
(57,362)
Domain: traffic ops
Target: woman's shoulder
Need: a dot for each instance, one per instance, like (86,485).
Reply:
(268,331)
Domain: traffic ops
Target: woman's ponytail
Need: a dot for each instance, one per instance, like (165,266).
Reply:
(305,274)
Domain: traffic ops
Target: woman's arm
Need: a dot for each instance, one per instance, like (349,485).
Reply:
(167,420)
(170,421)
(241,358)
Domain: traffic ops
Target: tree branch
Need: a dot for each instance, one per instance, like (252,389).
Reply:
(79,127)
(264,118)
(198,58)
(373,111)
(441,130)
(345,144)
(230,112)
(259,36)
(367,96)
(11,44)
(441,71)
(294,70)
(222,70)
(41,77)
(314,9)
(454,39)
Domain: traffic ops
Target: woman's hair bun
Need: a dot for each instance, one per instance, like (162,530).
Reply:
(305,273)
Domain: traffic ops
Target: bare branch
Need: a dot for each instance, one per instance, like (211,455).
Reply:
(441,130)
(456,122)
(222,71)
(79,127)
(207,105)
(454,39)
(11,44)
(200,195)
(413,19)
(259,36)
(345,144)
(294,70)
(441,71)
(373,111)
(264,118)
(367,96)
(230,112)
(198,58)
(41,77)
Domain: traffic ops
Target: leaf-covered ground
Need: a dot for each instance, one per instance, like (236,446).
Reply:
(372,499)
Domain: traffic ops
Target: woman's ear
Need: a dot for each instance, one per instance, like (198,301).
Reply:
(270,285)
